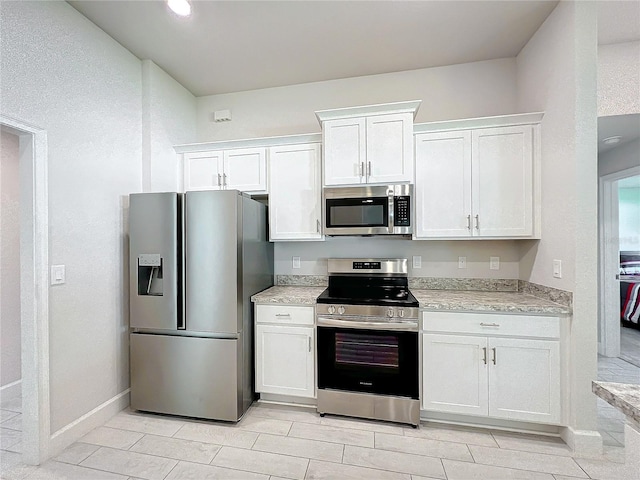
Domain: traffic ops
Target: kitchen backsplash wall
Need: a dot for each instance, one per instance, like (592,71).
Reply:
(439,258)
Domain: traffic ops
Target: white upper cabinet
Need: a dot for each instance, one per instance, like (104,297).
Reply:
(502,181)
(344,151)
(295,204)
(372,144)
(203,171)
(243,169)
(477,182)
(443,184)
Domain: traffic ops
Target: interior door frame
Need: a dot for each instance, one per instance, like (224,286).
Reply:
(34,288)
(608,259)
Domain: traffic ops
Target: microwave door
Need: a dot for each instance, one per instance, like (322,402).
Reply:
(357,216)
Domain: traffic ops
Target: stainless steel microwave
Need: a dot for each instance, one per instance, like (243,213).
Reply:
(368,210)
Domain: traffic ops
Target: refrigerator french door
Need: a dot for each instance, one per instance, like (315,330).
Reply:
(195,260)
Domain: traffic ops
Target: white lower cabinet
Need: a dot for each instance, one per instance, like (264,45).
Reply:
(285,352)
(492,375)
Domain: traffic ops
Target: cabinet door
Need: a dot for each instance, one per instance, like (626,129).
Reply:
(295,204)
(454,374)
(524,379)
(443,184)
(203,171)
(389,148)
(502,173)
(245,169)
(344,151)
(284,360)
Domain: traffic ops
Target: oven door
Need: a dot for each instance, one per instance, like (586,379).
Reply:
(374,361)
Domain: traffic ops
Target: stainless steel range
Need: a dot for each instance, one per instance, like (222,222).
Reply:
(367,321)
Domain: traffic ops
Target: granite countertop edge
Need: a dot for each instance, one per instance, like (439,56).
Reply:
(624,396)
(468,301)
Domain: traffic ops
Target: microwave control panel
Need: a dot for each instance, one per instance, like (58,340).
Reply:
(402,211)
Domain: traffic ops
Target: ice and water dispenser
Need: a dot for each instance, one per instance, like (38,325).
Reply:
(150,274)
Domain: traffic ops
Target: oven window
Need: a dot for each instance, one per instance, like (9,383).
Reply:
(357,212)
(363,349)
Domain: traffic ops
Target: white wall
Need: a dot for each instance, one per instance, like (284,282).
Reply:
(439,258)
(457,91)
(557,72)
(619,79)
(10,366)
(169,118)
(629,218)
(63,74)
(620,158)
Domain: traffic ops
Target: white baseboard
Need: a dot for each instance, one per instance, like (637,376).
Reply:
(584,443)
(11,390)
(83,425)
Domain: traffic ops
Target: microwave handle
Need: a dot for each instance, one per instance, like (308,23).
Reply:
(391,209)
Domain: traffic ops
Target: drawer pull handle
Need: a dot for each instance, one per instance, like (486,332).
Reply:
(494,355)
(283,314)
(484,355)
(309,344)
(489,324)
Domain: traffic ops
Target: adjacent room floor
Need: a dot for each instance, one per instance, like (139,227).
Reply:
(274,442)
(630,345)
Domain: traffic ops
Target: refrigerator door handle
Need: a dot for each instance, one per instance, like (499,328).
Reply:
(182,255)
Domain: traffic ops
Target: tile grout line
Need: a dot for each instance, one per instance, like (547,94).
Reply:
(169,472)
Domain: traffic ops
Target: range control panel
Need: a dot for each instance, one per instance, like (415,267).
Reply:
(366,265)
(402,211)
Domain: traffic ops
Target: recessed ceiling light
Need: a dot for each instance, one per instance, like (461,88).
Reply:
(612,140)
(180,7)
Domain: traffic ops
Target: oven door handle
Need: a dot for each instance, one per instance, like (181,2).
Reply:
(396,326)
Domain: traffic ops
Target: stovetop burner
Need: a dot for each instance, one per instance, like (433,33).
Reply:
(382,282)
(406,299)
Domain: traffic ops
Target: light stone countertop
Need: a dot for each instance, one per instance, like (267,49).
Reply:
(480,301)
(292,295)
(472,301)
(624,396)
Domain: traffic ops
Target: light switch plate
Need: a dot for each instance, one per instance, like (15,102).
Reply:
(462,262)
(557,269)
(57,274)
(295,262)
(417,261)
(494,263)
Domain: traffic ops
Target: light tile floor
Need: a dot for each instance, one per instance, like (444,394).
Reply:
(274,442)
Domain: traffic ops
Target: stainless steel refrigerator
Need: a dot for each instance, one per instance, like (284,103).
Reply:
(195,260)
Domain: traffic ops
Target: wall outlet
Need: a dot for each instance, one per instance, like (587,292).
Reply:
(295,262)
(462,262)
(417,261)
(57,274)
(557,269)
(494,263)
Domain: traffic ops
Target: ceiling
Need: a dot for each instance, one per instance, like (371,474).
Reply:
(625,126)
(231,46)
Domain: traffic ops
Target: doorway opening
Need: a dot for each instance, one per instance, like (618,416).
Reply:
(33,247)
(619,231)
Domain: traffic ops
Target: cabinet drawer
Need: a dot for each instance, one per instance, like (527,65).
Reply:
(491,324)
(285,314)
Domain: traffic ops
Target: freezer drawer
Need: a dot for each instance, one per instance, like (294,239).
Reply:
(189,376)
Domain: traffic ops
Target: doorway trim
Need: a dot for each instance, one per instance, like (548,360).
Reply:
(34,289)
(609,237)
